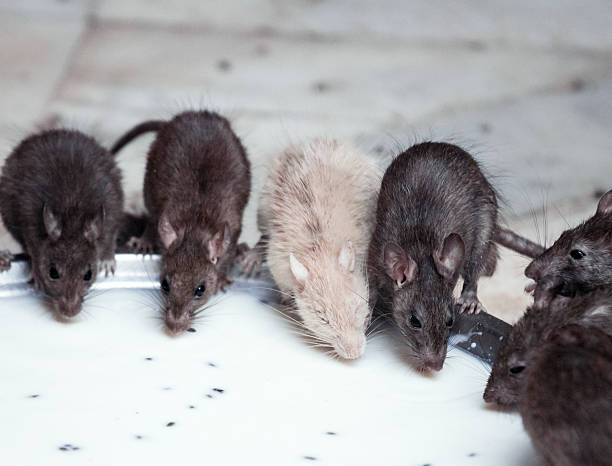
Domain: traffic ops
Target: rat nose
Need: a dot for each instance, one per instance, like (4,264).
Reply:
(69,307)
(350,346)
(435,361)
(532,271)
(176,323)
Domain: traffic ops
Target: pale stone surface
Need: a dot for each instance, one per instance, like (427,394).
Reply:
(534,22)
(525,86)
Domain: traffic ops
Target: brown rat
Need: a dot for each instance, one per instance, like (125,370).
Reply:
(196,186)
(566,401)
(516,349)
(61,199)
(579,261)
(316,217)
(436,220)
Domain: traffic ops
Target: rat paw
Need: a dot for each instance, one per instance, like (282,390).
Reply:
(225,282)
(468,303)
(108,266)
(5,260)
(249,262)
(139,245)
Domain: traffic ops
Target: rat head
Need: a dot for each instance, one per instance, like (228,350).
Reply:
(508,371)
(422,303)
(331,298)
(580,260)
(66,262)
(190,271)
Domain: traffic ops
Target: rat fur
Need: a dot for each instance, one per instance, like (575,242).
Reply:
(61,199)
(565,403)
(578,262)
(516,350)
(316,217)
(197,184)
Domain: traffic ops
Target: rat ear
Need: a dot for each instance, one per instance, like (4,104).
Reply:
(605,204)
(401,268)
(52,225)
(450,259)
(346,258)
(219,244)
(92,230)
(168,235)
(297,269)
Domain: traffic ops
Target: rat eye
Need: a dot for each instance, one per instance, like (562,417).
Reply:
(450,321)
(53,273)
(416,323)
(577,254)
(165,286)
(199,291)
(87,276)
(517,369)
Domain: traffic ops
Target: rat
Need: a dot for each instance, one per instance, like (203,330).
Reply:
(436,220)
(61,199)
(578,262)
(566,401)
(197,184)
(516,349)
(316,216)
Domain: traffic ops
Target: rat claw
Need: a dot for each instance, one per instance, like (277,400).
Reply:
(108,265)
(5,260)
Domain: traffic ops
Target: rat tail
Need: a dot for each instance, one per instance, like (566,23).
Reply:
(511,240)
(146,127)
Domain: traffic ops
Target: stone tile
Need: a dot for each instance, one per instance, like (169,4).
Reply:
(365,83)
(35,51)
(529,22)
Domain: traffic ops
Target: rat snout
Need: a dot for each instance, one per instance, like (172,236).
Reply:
(176,323)
(533,271)
(69,307)
(434,360)
(350,346)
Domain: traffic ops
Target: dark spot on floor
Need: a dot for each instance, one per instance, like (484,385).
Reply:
(329,432)
(218,390)
(192,330)
(149,359)
(68,447)
(310,458)
(138,437)
(485,128)
(167,388)
(476,45)
(598,193)
(471,455)
(212,364)
(191,407)
(33,396)
(321,86)
(208,395)
(379,149)
(170,424)
(577,84)
(224,65)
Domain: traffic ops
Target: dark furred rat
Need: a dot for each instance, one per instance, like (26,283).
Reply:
(436,219)
(566,402)
(61,199)
(196,186)
(517,348)
(579,261)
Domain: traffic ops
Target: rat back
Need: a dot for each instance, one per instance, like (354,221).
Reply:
(197,163)
(317,197)
(68,172)
(566,404)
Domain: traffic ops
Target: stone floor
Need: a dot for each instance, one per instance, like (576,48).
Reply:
(526,86)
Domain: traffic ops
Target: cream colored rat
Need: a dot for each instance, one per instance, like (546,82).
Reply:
(316,218)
